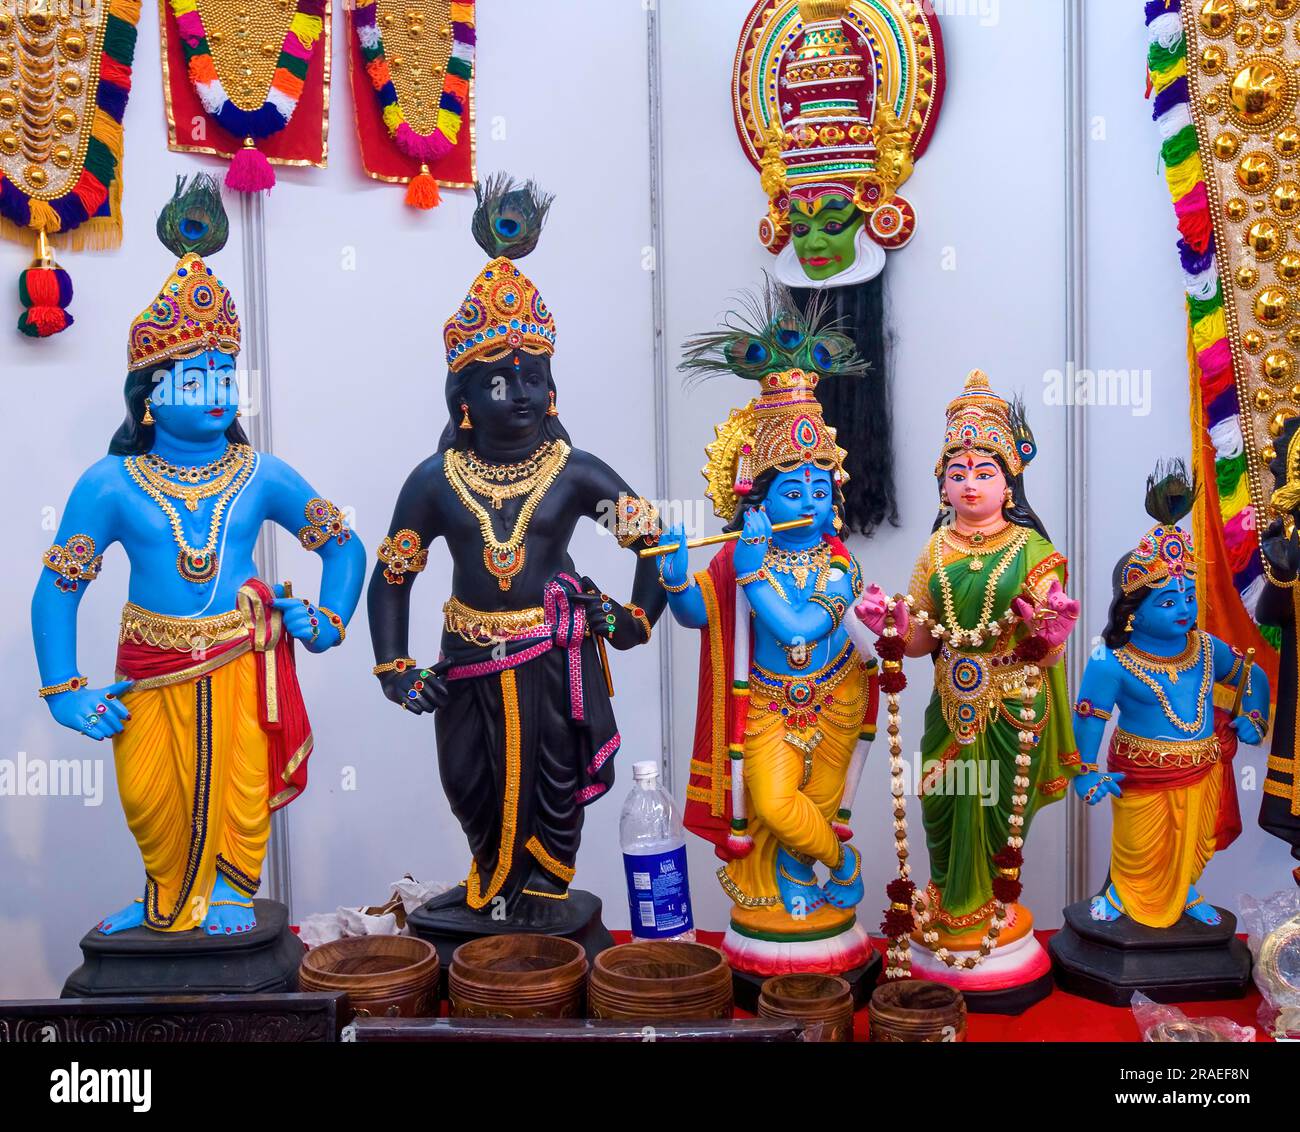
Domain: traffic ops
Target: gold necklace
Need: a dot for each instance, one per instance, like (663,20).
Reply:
(1147,670)
(500,482)
(195,565)
(189,494)
(957,634)
(196,473)
(798,563)
(977,545)
(1172,666)
(504,560)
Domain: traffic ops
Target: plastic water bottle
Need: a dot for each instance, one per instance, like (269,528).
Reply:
(654,860)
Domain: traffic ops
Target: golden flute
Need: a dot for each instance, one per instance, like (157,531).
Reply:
(713,540)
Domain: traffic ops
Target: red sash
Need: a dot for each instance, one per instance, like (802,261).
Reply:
(281,711)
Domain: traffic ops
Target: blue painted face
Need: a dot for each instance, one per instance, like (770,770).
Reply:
(196,399)
(1168,612)
(807,491)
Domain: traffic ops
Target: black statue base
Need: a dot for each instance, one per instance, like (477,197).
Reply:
(447,921)
(862,981)
(1011,1001)
(143,962)
(1188,962)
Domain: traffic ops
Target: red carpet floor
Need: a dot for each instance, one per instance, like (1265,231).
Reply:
(1061,1017)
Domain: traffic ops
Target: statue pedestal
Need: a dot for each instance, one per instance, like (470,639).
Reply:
(147,963)
(1188,962)
(1016,975)
(447,921)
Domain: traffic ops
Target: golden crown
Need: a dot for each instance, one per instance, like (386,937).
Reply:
(980,420)
(1165,552)
(781,429)
(192,313)
(503,312)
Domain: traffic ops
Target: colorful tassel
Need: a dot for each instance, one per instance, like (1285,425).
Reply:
(422,192)
(45,290)
(250,171)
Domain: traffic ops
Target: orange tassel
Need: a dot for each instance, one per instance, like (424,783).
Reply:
(422,192)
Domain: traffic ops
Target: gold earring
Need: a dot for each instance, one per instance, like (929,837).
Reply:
(1008,499)
(1128,628)
(147,419)
(465,423)
(552,411)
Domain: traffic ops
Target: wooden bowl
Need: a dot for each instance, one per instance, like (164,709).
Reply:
(660,982)
(517,976)
(912,1010)
(823,1003)
(385,976)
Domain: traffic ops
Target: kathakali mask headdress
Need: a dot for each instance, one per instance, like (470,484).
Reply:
(504,311)
(1166,551)
(195,311)
(837,99)
(981,421)
(787,352)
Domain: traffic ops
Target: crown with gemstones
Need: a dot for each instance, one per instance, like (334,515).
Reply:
(503,312)
(192,313)
(782,429)
(1165,553)
(981,421)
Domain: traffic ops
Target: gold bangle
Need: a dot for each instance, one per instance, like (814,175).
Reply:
(667,585)
(401,664)
(73,685)
(757,576)
(642,619)
(335,620)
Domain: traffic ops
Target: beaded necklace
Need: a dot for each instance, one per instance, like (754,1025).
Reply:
(1146,668)
(190,493)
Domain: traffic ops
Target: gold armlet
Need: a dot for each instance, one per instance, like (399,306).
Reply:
(833,604)
(637,519)
(1086,709)
(402,554)
(401,664)
(335,620)
(73,685)
(324,522)
(746,579)
(74,562)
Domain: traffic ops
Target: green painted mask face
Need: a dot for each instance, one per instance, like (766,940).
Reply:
(824,242)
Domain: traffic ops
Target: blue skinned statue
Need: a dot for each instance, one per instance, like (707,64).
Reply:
(1169,772)
(778,753)
(207,721)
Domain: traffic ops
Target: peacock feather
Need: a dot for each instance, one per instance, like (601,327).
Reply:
(509,218)
(1171,492)
(195,219)
(769,334)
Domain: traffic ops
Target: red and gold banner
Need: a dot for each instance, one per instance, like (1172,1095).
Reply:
(303,141)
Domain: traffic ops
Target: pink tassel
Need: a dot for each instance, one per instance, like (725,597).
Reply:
(739,846)
(250,171)
(425,148)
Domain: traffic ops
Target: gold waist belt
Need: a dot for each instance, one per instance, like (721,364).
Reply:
(1167,754)
(483,628)
(971,687)
(184,634)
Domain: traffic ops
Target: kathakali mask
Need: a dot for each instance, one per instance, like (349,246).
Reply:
(834,101)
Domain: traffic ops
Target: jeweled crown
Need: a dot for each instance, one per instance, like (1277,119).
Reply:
(981,421)
(193,312)
(783,429)
(1166,552)
(503,312)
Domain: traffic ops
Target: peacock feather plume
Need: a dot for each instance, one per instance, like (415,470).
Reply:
(509,218)
(769,334)
(1171,492)
(195,219)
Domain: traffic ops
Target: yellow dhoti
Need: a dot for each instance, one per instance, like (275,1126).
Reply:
(795,770)
(1164,826)
(192,763)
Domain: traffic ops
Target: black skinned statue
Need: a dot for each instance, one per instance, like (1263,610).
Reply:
(521,695)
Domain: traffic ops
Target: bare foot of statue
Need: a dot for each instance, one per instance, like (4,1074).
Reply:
(230,912)
(132,916)
(1199,910)
(844,888)
(1107,906)
(797,884)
